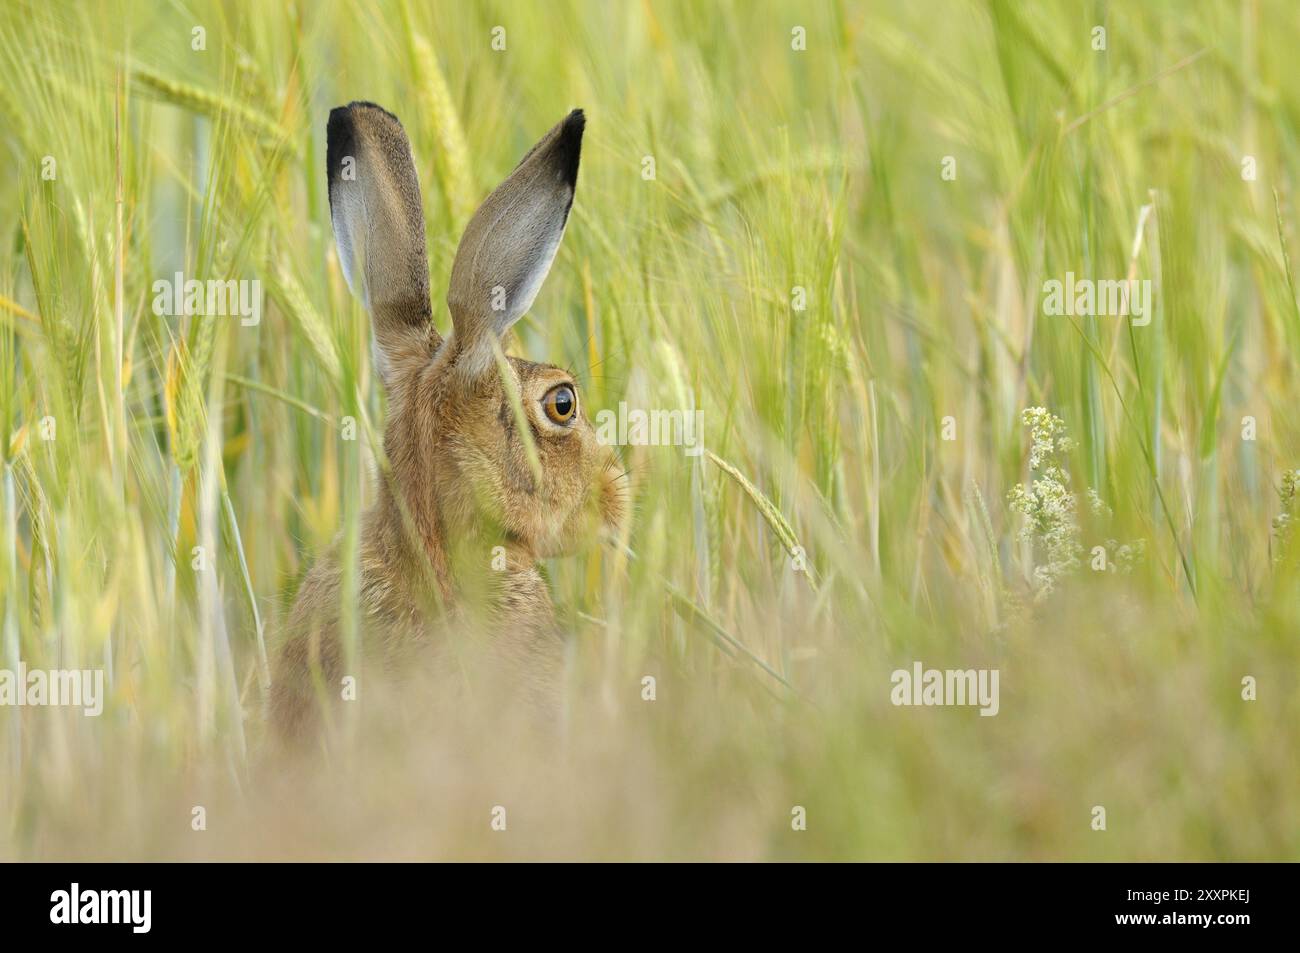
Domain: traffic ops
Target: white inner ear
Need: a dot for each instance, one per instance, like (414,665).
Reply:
(531,280)
(348,215)
(521,244)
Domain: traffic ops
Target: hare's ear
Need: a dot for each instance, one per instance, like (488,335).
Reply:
(379,229)
(511,241)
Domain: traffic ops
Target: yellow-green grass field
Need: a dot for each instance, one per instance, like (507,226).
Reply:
(839,260)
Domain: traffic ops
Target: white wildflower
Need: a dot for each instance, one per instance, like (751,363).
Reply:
(1051,508)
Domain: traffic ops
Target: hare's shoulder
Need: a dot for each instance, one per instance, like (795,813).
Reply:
(318,603)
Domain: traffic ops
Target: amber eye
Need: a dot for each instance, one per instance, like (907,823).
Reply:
(561,404)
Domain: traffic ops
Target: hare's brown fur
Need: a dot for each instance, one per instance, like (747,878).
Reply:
(462,518)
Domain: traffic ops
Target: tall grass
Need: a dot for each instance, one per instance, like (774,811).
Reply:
(780,174)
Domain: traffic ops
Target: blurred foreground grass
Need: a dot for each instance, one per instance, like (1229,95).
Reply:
(802,271)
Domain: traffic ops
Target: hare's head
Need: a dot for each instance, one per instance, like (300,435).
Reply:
(481,445)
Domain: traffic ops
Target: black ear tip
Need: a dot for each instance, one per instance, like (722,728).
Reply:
(339,125)
(340,141)
(341,131)
(568,144)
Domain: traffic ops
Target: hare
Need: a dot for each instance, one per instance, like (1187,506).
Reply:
(463,515)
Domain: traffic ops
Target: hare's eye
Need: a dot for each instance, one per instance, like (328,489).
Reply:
(560,403)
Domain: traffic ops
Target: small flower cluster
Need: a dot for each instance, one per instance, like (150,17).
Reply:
(1051,508)
(1047,431)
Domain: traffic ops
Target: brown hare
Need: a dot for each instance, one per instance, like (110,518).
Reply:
(463,515)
